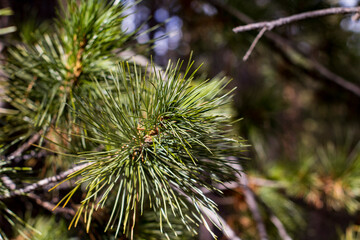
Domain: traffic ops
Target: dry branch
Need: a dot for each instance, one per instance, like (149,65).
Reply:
(256,40)
(280,227)
(49,206)
(264,183)
(251,202)
(297,17)
(24,157)
(8,182)
(285,45)
(269,25)
(26,145)
(45,182)
(229,233)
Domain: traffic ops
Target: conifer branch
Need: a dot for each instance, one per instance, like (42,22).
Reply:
(161,133)
(158,136)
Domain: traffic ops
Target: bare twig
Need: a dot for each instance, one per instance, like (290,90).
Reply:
(216,219)
(26,145)
(261,182)
(256,40)
(258,182)
(231,235)
(49,206)
(45,182)
(280,227)
(285,45)
(251,202)
(297,17)
(335,78)
(274,219)
(32,154)
(8,182)
(269,25)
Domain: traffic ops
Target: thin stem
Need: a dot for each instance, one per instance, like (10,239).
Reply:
(44,182)
(227,230)
(216,219)
(8,182)
(256,40)
(280,227)
(297,17)
(252,204)
(32,154)
(49,206)
(284,45)
(26,145)
(275,220)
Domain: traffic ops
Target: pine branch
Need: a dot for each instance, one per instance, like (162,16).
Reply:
(45,77)
(163,136)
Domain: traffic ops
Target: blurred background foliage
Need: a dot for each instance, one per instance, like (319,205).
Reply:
(303,128)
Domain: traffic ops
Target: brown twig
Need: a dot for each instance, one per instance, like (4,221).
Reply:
(280,227)
(256,40)
(45,182)
(24,157)
(258,182)
(274,219)
(251,202)
(26,145)
(15,155)
(269,25)
(297,17)
(49,206)
(227,230)
(285,45)
(216,219)
(8,182)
